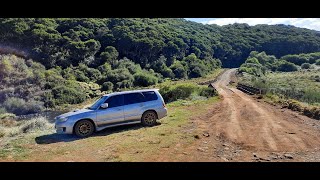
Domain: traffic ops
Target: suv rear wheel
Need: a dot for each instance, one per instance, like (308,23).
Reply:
(84,128)
(149,118)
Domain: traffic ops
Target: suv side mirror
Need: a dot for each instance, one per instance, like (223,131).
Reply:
(104,105)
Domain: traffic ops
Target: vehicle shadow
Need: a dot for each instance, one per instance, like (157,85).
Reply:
(55,138)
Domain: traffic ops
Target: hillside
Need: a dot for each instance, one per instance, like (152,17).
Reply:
(63,61)
(66,41)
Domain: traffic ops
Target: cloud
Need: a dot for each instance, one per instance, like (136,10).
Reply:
(310,23)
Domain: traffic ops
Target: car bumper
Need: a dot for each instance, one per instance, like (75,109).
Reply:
(64,127)
(162,113)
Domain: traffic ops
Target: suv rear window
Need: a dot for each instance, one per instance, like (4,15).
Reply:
(150,96)
(133,98)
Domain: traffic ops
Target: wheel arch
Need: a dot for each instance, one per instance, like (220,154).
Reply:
(94,124)
(150,110)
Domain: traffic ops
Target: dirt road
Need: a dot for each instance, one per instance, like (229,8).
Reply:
(242,128)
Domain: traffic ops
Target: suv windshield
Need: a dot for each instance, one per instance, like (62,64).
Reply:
(97,103)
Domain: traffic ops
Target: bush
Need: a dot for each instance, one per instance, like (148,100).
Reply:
(14,128)
(20,106)
(15,105)
(285,66)
(107,86)
(318,62)
(207,92)
(144,79)
(39,123)
(68,95)
(181,91)
(305,66)
(2,110)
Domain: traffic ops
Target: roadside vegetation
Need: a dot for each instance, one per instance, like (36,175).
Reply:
(295,86)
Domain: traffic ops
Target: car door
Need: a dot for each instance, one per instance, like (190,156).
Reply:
(133,105)
(113,114)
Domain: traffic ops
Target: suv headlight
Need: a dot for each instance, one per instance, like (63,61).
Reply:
(63,119)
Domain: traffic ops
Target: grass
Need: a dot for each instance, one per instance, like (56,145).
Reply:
(298,91)
(301,85)
(128,143)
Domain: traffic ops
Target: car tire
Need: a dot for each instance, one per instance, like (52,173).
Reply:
(84,128)
(149,118)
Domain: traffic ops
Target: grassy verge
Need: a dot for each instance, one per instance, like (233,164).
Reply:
(298,91)
(130,143)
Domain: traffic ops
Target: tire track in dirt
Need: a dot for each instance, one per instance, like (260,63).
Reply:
(241,123)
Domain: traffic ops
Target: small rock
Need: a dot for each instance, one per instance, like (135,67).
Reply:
(185,153)
(206,134)
(274,157)
(200,149)
(288,156)
(224,144)
(205,142)
(226,148)
(254,154)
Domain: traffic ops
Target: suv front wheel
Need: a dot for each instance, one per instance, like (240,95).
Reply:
(84,128)
(149,118)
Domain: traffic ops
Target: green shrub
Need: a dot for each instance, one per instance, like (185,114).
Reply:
(2,110)
(181,91)
(68,95)
(318,62)
(207,92)
(305,66)
(144,79)
(107,86)
(285,66)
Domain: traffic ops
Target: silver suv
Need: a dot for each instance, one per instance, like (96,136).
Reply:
(119,108)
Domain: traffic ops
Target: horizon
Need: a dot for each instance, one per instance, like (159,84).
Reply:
(308,23)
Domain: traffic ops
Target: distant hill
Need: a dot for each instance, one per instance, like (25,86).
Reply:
(66,41)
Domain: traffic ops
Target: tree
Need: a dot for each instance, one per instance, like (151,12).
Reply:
(109,55)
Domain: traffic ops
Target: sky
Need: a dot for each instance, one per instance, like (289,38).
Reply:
(310,23)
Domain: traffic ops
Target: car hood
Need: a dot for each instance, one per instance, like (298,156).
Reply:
(74,112)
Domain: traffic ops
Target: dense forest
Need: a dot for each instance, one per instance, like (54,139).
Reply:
(67,60)
(93,42)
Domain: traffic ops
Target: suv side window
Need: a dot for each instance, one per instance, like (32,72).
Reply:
(115,101)
(150,95)
(133,98)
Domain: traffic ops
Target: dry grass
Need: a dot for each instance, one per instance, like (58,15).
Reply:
(13,128)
